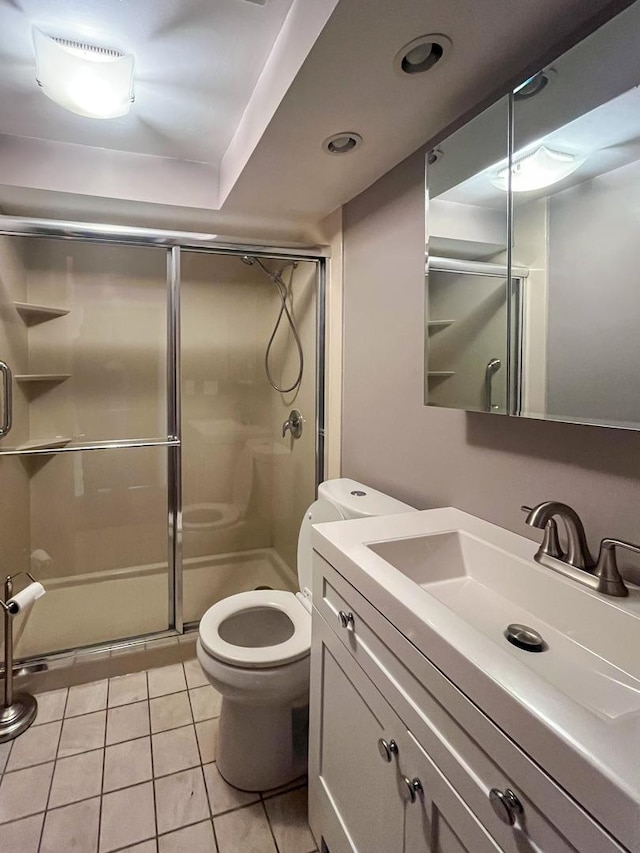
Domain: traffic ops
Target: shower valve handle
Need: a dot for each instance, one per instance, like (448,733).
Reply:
(293,424)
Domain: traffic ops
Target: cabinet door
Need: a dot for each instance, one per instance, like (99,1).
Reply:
(355,801)
(436,819)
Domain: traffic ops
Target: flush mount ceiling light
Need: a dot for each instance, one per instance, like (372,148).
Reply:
(91,81)
(537,168)
(421,54)
(342,143)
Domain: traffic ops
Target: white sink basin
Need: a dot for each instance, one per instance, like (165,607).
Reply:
(591,650)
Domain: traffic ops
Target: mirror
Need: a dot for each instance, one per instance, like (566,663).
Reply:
(538,314)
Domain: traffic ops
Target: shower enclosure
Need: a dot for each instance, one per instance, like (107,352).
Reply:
(143,466)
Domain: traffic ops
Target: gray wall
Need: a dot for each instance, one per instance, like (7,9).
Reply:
(593,354)
(485,464)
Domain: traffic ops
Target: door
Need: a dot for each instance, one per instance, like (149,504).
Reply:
(85,466)
(436,819)
(355,802)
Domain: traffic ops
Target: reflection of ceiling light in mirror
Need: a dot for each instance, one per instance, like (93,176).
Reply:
(536,169)
(90,81)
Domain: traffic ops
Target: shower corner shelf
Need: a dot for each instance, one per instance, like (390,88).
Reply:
(42,377)
(440,374)
(33,314)
(434,325)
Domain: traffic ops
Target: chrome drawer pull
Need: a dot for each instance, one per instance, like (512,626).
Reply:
(346,619)
(412,787)
(506,805)
(387,748)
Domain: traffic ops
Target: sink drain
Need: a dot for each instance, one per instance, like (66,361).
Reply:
(525,638)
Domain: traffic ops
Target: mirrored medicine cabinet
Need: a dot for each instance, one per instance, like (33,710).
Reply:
(533,244)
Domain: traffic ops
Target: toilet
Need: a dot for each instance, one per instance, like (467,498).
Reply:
(254,649)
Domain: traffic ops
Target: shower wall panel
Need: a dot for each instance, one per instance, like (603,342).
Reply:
(292,460)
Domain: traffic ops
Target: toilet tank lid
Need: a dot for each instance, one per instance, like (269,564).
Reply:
(347,495)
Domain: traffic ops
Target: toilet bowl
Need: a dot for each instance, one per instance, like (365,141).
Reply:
(254,649)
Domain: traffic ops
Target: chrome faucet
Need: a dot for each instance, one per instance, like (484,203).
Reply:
(577,563)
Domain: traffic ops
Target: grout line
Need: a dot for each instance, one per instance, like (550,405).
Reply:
(153,768)
(273,835)
(53,770)
(104,764)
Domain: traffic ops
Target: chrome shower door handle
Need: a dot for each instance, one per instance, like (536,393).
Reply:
(493,366)
(7,398)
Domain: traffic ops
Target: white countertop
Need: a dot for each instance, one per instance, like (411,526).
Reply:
(594,756)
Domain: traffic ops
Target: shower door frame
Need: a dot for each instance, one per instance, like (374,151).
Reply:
(173,242)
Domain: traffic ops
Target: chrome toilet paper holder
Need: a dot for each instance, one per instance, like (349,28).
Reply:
(18,711)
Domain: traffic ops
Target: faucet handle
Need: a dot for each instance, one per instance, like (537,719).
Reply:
(607,570)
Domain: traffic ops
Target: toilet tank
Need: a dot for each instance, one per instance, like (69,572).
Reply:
(355,500)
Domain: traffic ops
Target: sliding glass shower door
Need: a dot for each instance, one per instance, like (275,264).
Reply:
(84,465)
(245,482)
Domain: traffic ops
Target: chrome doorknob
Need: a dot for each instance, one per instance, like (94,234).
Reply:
(387,748)
(346,619)
(506,805)
(411,788)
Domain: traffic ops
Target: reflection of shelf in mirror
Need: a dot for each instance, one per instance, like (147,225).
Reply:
(440,374)
(46,443)
(34,314)
(42,377)
(434,325)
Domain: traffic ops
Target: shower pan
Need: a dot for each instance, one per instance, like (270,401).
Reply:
(144,474)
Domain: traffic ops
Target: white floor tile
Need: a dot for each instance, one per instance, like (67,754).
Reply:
(181,799)
(207,734)
(127,722)
(174,750)
(289,822)
(86,698)
(189,840)
(126,689)
(24,792)
(246,830)
(22,836)
(127,817)
(50,706)
(127,764)
(222,796)
(166,679)
(170,712)
(35,746)
(77,778)
(194,674)
(72,828)
(80,734)
(205,703)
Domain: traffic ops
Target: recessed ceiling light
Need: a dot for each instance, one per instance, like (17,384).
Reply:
(421,54)
(531,87)
(342,143)
(91,81)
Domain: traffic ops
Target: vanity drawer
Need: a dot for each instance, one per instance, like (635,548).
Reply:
(451,729)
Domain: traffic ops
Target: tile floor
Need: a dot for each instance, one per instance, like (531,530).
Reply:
(128,764)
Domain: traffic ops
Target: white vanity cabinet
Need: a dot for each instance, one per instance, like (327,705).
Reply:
(402,762)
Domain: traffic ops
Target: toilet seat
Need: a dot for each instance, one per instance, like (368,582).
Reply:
(296,647)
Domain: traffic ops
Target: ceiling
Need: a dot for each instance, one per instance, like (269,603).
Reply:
(234,98)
